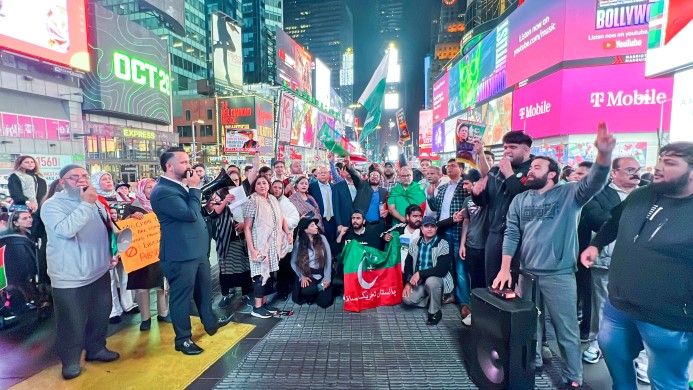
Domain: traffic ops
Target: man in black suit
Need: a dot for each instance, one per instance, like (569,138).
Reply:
(334,201)
(370,197)
(184,247)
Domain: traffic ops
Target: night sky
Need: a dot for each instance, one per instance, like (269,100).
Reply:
(414,45)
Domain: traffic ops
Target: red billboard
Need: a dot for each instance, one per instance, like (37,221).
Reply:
(54,31)
(563,103)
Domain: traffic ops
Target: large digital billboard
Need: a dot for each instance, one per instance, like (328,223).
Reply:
(294,63)
(305,124)
(440,98)
(130,75)
(670,37)
(322,83)
(247,124)
(228,53)
(172,12)
(52,30)
(563,103)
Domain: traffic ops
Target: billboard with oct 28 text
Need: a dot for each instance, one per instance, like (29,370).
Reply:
(130,74)
(52,30)
(563,103)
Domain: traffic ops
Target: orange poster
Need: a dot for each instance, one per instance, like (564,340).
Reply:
(144,249)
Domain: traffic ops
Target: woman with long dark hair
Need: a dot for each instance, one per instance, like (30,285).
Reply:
(311,260)
(26,184)
(265,233)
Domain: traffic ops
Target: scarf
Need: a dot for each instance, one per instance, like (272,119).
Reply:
(402,198)
(268,228)
(29,185)
(96,183)
(139,194)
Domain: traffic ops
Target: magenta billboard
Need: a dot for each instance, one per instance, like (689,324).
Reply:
(440,98)
(564,103)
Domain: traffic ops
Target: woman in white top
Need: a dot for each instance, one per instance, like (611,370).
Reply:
(285,275)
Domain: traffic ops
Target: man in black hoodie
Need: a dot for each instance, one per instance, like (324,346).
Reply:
(502,183)
(650,280)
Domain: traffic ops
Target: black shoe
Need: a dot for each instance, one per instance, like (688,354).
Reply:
(134,310)
(71,371)
(189,348)
(115,320)
(146,325)
(434,319)
(166,318)
(105,356)
(220,323)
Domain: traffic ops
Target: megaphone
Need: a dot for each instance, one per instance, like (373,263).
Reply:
(222,180)
(123,240)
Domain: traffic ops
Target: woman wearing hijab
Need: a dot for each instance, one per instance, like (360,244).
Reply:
(151,276)
(103,182)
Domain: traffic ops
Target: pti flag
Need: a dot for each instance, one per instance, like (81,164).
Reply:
(372,278)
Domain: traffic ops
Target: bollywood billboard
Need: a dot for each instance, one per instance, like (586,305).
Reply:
(228,57)
(130,76)
(563,103)
(51,30)
(294,63)
(244,125)
(670,37)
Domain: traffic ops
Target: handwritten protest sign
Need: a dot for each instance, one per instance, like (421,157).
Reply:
(144,249)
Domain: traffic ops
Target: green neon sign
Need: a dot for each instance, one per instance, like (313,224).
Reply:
(134,70)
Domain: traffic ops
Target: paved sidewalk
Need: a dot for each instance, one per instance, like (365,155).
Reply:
(383,348)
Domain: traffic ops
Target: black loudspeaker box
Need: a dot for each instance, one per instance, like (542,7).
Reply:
(499,348)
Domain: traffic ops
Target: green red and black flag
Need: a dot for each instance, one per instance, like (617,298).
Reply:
(3,278)
(372,278)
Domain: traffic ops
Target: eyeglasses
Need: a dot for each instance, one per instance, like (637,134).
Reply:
(630,171)
(401,175)
(77,177)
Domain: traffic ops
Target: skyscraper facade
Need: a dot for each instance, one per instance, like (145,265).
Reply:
(450,28)
(260,22)
(326,29)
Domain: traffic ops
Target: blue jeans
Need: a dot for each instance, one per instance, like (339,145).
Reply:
(461,279)
(621,338)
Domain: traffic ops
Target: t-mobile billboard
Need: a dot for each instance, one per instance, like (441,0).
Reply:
(564,103)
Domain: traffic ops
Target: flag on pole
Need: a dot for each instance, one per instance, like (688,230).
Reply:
(372,278)
(337,144)
(373,96)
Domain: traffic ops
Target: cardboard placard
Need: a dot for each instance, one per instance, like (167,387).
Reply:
(144,249)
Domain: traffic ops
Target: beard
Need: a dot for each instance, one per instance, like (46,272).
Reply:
(356,226)
(414,225)
(537,182)
(672,187)
(388,175)
(73,192)
(374,182)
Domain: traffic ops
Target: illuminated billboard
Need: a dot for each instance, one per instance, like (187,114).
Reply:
(322,83)
(171,11)
(247,124)
(228,56)
(130,74)
(305,124)
(294,63)
(440,98)
(670,37)
(563,103)
(52,30)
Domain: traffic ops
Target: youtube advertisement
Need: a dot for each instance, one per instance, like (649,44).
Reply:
(52,30)
(563,103)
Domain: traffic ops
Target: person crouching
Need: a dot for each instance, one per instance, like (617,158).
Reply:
(312,262)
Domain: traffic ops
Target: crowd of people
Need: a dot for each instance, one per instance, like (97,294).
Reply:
(604,246)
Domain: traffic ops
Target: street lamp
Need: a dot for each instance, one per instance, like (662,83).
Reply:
(193,146)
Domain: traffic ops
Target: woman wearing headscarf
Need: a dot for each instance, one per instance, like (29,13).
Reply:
(151,276)
(265,233)
(123,302)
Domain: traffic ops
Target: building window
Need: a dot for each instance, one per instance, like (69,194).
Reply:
(187,115)
(206,130)
(209,113)
(184,131)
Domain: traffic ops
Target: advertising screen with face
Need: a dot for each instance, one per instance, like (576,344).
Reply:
(131,71)
(294,63)
(52,30)
(228,57)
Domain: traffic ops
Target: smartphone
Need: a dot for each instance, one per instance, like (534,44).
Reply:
(189,173)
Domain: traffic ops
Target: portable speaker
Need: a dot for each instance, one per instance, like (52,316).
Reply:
(499,348)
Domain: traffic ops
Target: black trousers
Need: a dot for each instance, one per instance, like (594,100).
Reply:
(311,294)
(331,234)
(285,276)
(81,318)
(474,264)
(494,256)
(583,279)
(189,279)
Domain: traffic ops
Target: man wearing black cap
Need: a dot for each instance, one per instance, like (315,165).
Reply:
(426,265)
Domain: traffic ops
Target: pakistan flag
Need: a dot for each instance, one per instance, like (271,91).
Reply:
(372,278)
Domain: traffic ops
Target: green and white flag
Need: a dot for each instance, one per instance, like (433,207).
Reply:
(373,98)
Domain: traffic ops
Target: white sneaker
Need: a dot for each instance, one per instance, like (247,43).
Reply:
(467,321)
(641,365)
